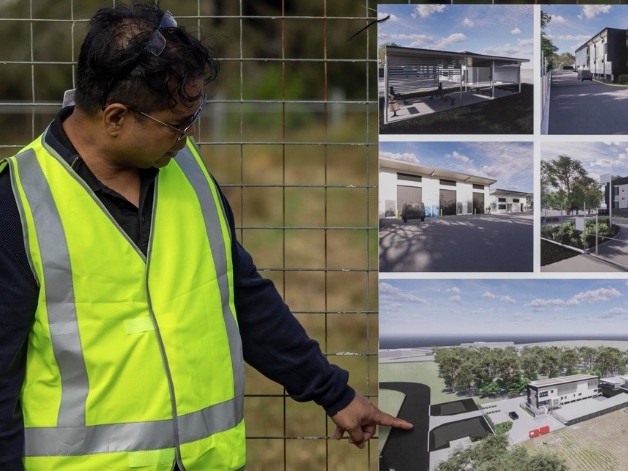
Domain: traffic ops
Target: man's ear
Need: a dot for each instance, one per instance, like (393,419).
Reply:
(115,116)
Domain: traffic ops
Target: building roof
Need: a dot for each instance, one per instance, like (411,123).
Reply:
(415,169)
(448,58)
(523,194)
(542,383)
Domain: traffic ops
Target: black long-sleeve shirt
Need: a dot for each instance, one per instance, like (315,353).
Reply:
(273,341)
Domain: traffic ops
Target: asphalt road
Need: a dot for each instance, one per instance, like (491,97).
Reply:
(469,243)
(587,107)
(406,450)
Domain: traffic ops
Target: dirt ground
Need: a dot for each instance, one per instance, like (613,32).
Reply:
(595,445)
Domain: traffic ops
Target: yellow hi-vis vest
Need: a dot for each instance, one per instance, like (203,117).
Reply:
(133,361)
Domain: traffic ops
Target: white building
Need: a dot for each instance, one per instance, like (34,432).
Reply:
(443,192)
(552,393)
(507,201)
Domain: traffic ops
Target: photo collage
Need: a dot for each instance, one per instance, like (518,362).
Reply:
(503,236)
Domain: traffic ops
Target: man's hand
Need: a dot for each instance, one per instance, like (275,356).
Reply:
(360,419)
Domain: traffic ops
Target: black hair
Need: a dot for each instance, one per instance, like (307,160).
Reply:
(115,66)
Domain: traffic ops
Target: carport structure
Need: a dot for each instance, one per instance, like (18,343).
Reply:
(444,76)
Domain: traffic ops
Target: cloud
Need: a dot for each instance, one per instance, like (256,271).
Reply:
(404,157)
(588,297)
(508,299)
(503,299)
(455,299)
(592,296)
(452,39)
(390,293)
(526,42)
(515,31)
(557,20)
(459,157)
(591,11)
(468,22)
(428,10)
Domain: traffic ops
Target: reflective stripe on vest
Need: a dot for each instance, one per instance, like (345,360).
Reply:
(74,438)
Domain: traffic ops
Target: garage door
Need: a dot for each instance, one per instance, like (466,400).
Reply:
(478,203)
(448,202)
(408,194)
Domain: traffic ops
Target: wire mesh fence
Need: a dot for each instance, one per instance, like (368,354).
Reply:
(291,135)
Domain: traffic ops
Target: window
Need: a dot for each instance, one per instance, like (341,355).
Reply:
(409,177)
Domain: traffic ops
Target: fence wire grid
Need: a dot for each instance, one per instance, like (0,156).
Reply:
(291,136)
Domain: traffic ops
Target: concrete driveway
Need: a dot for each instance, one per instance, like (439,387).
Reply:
(466,243)
(588,107)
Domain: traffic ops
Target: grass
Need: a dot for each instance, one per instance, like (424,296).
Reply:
(508,115)
(552,253)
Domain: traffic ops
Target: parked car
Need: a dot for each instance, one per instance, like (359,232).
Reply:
(513,415)
(413,211)
(585,75)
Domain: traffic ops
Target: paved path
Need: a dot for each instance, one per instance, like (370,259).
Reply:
(466,243)
(588,107)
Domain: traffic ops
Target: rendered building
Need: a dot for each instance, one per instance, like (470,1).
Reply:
(509,201)
(604,55)
(547,394)
(444,192)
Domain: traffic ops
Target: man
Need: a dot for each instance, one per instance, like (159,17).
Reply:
(128,306)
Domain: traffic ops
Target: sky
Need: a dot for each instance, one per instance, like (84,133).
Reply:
(510,163)
(499,30)
(571,25)
(437,307)
(598,158)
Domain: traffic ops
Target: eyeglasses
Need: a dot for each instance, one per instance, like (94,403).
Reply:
(183,132)
(157,43)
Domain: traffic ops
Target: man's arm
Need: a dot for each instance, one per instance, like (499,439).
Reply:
(18,301)
(275,343)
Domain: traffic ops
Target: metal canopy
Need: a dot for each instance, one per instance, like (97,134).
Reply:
(399,56)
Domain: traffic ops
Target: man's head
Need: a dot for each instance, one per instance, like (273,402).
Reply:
(136,55)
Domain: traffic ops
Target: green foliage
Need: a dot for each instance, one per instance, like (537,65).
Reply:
(567,234)
(572,188)
(493,454)
(547,46)
(494,371)
(503,427)
(622,79)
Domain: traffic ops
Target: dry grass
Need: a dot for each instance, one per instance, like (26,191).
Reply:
(330,281)
(595,445)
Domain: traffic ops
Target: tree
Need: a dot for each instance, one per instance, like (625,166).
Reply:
(545,462)
(609,361)
(587,355)
(565,174)
(587,193)
(569,359)
(493,454)
(547,46)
